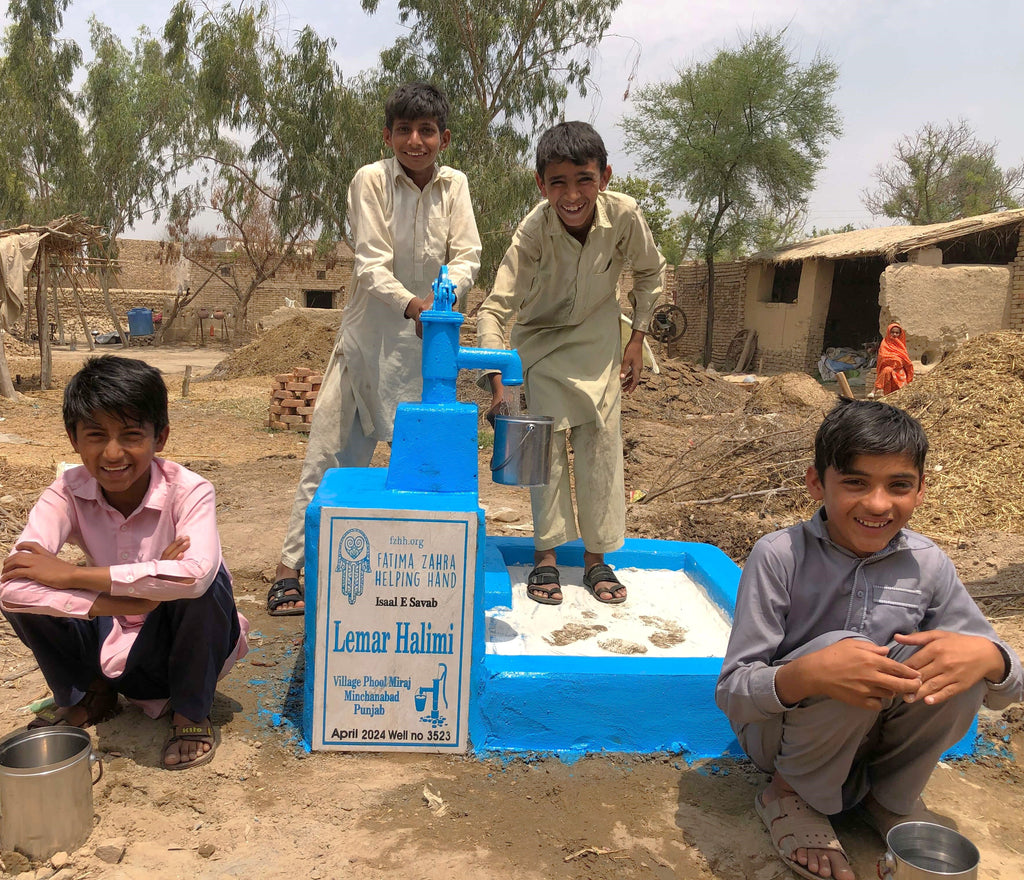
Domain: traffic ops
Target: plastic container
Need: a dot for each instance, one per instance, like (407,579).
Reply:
(46,790)
(522,450)
(140,322)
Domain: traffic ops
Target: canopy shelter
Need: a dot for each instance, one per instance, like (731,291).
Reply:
(35,261)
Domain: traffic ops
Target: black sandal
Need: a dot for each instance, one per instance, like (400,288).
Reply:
(281,593)
(601,573)
(544,580)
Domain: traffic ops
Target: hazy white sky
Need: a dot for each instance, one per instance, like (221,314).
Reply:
(901,64)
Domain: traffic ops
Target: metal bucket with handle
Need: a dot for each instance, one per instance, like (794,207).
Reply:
(46,790)
(522,450)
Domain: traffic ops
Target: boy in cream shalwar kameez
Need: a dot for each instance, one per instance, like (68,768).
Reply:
(408,217)
(559,280)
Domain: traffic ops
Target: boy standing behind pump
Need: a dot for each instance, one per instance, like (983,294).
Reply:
(559,280)
(409,217)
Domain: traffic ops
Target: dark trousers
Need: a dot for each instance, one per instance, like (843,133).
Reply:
(177,654)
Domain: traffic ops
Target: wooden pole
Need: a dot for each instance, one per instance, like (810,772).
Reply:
(43,322)
(55,285)
(105,286)
(844,386)
(186,380)
(80,308)
(6,385)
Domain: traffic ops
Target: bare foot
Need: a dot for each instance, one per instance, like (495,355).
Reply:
(283,573)
(191,743)
(828,863)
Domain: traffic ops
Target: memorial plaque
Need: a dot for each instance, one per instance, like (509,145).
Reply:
(394,622)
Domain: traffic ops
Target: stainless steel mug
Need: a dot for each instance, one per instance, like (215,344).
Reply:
(926,851)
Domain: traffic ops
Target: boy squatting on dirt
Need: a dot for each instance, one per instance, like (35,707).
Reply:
(409,217)
(559,279)
(151,615)
(857,656)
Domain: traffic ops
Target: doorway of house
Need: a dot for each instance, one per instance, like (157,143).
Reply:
(319,299)
(853,310)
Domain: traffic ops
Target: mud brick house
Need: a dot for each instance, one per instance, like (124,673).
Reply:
(942,282)
(148,274)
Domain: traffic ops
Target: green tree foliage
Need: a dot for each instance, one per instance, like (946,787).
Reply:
(653,203)
(268,115)
(138,116)
(737,135)
(40,137)
(943,173)
(507,69)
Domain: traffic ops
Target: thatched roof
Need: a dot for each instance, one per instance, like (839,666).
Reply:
(887,241)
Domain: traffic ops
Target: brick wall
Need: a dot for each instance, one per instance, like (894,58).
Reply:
(149,273)
(1017,284)
(691,281)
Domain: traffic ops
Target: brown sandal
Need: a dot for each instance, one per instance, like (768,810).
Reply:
(100,703)
(203,733)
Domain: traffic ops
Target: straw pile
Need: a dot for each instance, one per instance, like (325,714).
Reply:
(972,407)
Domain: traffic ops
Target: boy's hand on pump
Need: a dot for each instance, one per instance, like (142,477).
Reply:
(417,306)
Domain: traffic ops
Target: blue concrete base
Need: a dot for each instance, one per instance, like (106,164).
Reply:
(573,705)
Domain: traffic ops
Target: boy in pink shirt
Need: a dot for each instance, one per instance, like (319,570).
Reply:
(151,614)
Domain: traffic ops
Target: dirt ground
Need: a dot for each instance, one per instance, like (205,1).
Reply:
(707,460)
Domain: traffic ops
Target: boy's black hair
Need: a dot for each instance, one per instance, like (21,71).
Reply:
(416,100)
(575,142)
(129,389)
(867,427)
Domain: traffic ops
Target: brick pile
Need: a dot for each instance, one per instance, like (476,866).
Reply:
(292,400)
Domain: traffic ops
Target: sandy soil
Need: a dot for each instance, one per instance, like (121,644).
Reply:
(265,808)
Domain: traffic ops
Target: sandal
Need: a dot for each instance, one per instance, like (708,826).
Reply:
(794,824)
(100,703)
(193,733)
(281,593)
(543,584)
(601,573)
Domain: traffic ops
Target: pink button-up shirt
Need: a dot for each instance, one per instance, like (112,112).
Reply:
(72,510)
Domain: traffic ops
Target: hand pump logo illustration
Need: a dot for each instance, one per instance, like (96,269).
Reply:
(437,694)
(353,563)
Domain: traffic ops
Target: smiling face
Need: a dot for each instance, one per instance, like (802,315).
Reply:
(871,502)
(416,143)
(572,190)
(118,454)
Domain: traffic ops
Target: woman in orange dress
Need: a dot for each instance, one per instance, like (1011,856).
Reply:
(894,367)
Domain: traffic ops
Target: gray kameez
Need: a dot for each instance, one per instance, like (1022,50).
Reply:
(800,592)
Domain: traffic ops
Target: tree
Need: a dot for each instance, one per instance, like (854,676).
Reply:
(507,70)
(665,227)
(943,173)
(742,133)
(268,112)
(40,137)
(138,113)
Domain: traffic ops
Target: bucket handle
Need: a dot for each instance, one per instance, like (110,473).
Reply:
(886,866)
(96,759)
(516,451)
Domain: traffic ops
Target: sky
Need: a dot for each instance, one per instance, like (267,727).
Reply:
(901,64)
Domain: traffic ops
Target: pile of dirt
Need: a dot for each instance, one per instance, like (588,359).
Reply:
(682,389)
(790,392)
(972,408)
(14,347)
(299,342)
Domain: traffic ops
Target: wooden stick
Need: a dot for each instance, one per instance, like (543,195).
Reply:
(844,386)
(186,380)
(733,495)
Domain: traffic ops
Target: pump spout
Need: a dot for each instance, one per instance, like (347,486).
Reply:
(493,359)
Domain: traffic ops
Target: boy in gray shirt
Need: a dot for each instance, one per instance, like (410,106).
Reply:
(857,656)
